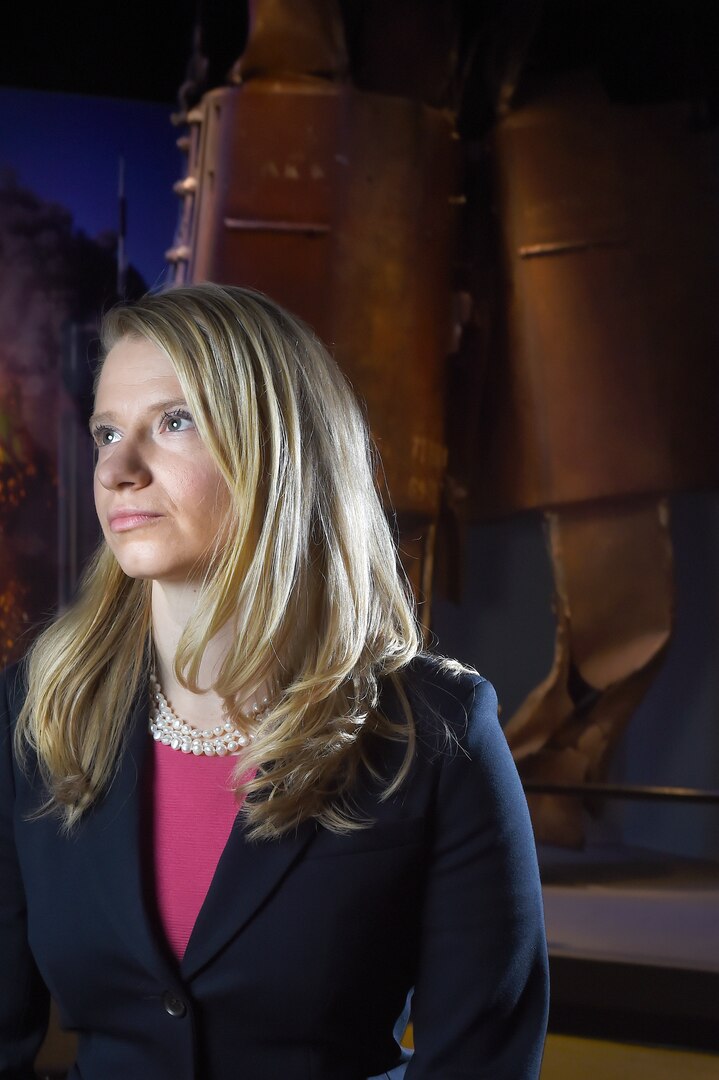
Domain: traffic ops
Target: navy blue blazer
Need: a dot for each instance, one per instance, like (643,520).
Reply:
(304,953)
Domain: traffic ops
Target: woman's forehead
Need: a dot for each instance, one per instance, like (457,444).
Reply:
(135,368)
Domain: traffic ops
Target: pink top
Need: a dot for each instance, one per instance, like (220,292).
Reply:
(193,810)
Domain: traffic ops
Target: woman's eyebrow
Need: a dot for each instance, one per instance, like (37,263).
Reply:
(156,406)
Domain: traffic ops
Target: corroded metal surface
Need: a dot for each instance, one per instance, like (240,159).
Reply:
(614,609)
(609,230)
(338,204)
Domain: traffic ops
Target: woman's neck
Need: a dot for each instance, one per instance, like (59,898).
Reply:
(172,607)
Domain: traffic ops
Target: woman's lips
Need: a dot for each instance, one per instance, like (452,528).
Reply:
(124,520)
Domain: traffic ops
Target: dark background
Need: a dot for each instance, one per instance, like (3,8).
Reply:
(645,50)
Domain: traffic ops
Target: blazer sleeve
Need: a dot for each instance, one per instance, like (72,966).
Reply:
(24,1000)
(480,1003)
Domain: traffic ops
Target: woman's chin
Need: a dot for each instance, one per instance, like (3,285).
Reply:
(151,570)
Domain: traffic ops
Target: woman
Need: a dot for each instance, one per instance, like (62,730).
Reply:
(243,816)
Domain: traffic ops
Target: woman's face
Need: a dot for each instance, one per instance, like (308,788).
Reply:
(160,498)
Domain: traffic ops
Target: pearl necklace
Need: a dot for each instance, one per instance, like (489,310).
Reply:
(167,728)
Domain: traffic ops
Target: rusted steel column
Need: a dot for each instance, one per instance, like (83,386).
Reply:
(602,401)
(339,203)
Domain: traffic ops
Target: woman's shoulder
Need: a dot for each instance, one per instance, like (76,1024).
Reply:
(13,688)
(442,675)
(450,702)
(460,742)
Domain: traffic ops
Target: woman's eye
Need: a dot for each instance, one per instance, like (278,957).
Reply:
(180,420)
(105,436)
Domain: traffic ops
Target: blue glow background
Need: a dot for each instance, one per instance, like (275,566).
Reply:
(66,147)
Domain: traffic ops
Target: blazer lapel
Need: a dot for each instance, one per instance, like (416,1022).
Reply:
(246,876)
(111,839)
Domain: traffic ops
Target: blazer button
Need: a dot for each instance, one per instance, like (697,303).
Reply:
(174,1005)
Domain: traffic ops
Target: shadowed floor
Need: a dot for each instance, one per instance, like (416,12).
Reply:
(570,1058)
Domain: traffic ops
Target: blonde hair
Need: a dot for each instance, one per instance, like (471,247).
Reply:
(309,560)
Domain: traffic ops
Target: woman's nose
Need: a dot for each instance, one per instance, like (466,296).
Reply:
(123,465)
